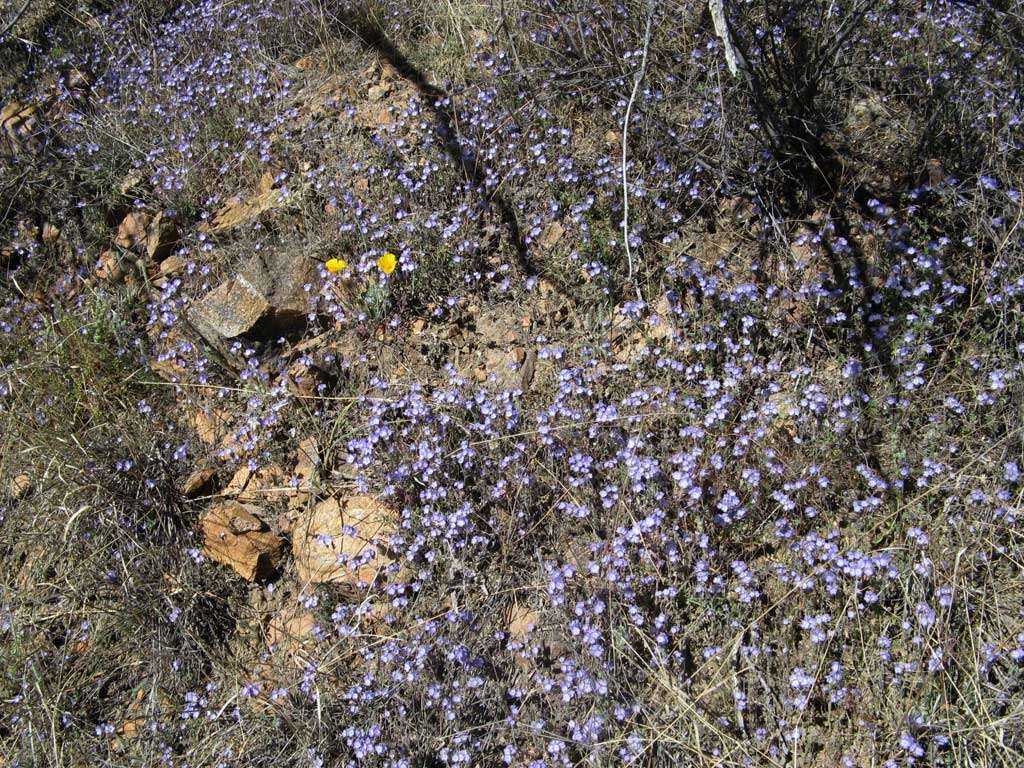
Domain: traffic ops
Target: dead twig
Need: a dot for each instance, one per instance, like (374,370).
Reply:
(637,80)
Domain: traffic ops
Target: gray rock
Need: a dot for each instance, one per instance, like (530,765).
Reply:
(266,299)
(282,278)
(230,310)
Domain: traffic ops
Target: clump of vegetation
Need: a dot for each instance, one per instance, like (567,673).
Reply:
(520,384)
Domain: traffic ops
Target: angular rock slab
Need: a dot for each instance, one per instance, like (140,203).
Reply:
(236,212)
(343,541)
(199,483)
(234,535)
(267,297)
(162,237)
(282,276)
(230,310)
(133,229)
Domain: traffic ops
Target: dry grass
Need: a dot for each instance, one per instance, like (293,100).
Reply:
(811,338)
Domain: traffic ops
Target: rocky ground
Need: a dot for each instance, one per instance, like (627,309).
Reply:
(387,384)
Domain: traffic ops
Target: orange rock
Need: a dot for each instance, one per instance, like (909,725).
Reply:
(304,380)
(522,621)
(266,483)
(551,235)
(199,483)
(161,237)
(291,633)
(170,369)
(10,112)
(133,229)
(343,541)
(267,182)
(131,728)
(237,211)
(109,267)
(308,462)
(235,535)
(172,265)
(21,486)
(210,425)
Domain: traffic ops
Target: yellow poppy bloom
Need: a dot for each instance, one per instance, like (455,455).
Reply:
(334,266)
(387,263)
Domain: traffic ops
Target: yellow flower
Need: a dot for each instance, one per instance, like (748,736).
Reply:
(387,263)
(334,266)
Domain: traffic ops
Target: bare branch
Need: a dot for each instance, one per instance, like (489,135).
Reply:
(733,58)
(625,141)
